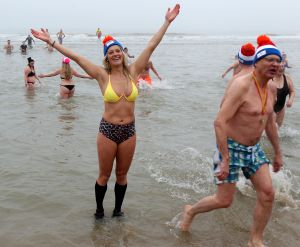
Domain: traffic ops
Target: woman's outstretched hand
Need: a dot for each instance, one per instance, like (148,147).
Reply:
(171,14)
(42,35)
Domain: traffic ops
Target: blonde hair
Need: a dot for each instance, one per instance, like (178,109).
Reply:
(66,71)
(107,65)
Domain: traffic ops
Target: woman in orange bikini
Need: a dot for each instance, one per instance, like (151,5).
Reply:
(145,75)
(116,139)
(67,86)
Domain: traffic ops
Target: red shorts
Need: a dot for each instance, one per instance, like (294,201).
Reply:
(146,78)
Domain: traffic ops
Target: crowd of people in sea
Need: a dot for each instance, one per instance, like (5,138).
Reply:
(66,72)
(254,102)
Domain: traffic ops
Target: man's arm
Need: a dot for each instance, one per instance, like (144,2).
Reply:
(272,133)
(227,70)
(233,100)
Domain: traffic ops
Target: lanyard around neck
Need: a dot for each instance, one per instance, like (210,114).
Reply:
(263,94)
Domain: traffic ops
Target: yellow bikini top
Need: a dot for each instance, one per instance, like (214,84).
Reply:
(111,96)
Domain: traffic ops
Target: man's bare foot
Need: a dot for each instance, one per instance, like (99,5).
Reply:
(252,243)
(186,218)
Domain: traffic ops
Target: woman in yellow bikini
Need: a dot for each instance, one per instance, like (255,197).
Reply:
(116,139)
(67,86)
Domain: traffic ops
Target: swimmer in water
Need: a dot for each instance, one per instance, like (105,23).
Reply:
(66,72)
(8,47)
(23,48)
(29,74)
(98,33)
(60,36)
(125,50)
(285,87)
(235,67)
(145,75)
(29,40)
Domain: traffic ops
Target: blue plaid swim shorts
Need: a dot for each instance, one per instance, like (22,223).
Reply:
(248,158)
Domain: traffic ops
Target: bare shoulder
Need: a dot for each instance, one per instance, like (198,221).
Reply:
(235,64)
(288,78)
(273,87)
(241,83)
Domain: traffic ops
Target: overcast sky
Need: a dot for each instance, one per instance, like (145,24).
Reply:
(128,16)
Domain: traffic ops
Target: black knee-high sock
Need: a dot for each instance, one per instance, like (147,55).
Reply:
(100,191)
(120,191)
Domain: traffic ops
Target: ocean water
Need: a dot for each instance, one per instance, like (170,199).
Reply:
(48,158)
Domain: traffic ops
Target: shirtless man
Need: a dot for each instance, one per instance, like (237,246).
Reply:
(8,47)
(29,40)
(60,36)
(145,75)
(245,113)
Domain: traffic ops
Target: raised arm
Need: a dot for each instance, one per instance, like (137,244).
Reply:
(54,73)
(90,68)
(137,67)
(291,91)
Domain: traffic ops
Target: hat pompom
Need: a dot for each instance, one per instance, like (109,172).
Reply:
(109,41)
(248,49)
(265,48)
(264,40)
(107,38)
(66,60)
